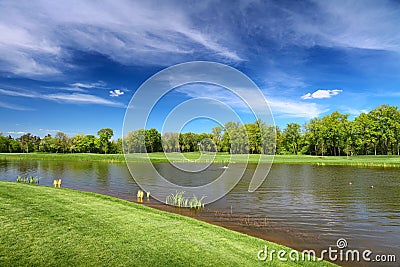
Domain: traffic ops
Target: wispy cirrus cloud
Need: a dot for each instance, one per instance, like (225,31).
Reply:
(74,98)
(82,99)
(354,111)
(322,93)
(83,87)
(280,107)
(18,93)
(344,24)
(37,36)
(98,84)
(50,130)
(358,24)
(13,107)
(16,132)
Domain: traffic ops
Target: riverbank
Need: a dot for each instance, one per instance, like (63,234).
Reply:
(223,158)
(44,226)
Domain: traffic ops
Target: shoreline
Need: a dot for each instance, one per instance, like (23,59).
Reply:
(220,158)
(133,213)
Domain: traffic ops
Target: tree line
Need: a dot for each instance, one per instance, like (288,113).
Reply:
(62,143)
(374,133)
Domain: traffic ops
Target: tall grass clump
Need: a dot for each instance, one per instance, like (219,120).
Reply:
(179,200)
(28,179)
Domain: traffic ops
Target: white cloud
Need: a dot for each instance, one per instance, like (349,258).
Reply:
(356,24)
(36,35)
(12,106)
(15,93)
(89,85)
(361,24)
(279,107)
(294,109)
(75,98)
(49,131)
(82,99)
(321,94)
(17,132)
(341,23)
(353,111)
(116,93)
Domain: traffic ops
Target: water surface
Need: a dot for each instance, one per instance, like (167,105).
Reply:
(301,206)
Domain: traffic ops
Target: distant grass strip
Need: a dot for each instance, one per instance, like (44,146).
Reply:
(43,226)
(372,161)
(64,157)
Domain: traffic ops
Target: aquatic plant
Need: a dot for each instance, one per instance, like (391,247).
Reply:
(179,200)
(57,183)
(196,203)
(28,180)
(140,195)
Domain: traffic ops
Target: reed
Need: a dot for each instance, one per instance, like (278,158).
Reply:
(140,195)
(28,179)
(179,200)
(57,183)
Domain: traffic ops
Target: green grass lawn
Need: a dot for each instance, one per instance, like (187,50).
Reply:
(43,226)
(387,161)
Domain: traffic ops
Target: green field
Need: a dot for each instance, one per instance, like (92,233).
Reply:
(384,161)
(43,226)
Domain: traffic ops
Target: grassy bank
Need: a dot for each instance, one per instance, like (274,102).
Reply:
(384,161)
(42,226)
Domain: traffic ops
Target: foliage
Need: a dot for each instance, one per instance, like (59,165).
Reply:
(374,133)
(28,180)
(105,135)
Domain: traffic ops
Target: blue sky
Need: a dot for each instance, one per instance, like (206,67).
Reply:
(73,66)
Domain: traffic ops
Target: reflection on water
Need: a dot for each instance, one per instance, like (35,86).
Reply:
(302,206)
(111,179)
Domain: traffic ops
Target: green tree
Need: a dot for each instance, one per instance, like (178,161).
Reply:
(105,135)
(170,142)
(362,133)
(4,143)
(135,141)
(90,144)
(188,142)
(61,141)
(254,137)
(238,138)
(14,146)
(217,136)
(116,146)
(291,137)
(29,143)
(153,140)
(205,142)
(77,144)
